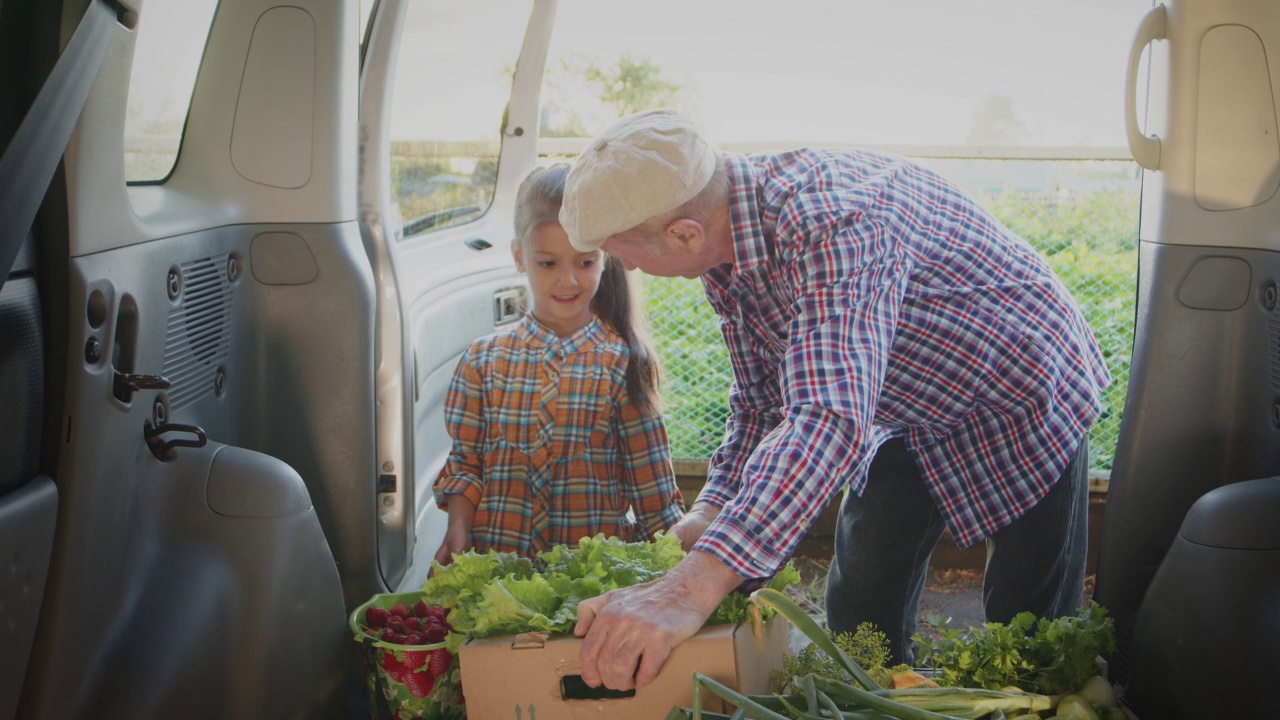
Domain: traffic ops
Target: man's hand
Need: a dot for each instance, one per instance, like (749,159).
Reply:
(631,631)
(690,527)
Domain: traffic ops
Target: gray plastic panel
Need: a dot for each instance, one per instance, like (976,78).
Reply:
(1241,516)
(1208,628)
(145,572)
(230,617)
(27,517)
(22,380)
(236,490)
(1202,411)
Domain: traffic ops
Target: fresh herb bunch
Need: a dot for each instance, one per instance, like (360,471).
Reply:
(1040,656)
(866,646)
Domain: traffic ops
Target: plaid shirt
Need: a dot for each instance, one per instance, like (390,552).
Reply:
(548,446)
(869,299)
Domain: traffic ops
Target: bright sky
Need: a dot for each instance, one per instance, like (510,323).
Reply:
(872,71)
(856,71)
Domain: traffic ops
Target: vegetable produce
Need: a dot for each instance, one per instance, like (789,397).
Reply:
(867,646)
(859,697)
(1045,656)
(494,593)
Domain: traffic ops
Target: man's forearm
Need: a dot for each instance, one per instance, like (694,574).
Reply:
(704,579)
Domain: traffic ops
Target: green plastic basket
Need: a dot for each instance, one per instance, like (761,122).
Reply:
(399,684)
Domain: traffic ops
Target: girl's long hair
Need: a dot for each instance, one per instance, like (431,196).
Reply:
(538,201)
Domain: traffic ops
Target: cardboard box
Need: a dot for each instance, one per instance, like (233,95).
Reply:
(535,677)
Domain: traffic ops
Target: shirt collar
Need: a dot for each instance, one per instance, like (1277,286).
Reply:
(750,246)
(535,333)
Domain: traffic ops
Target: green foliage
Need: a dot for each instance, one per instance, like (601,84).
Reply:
(632,85)
(495,593)
(1041,656)
(581,95)
(866,646)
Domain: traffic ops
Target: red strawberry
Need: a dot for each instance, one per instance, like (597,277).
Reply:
(413,639)
(392,637)
(399,610)
(396,625)
(415,660)
(420,684)
(434,633)
(401,670)
(440,661)
(420,609)
(438,614)
(376,617)
(413,623)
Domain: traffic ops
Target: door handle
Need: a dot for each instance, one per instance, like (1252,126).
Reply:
(508,305)
(1145,149)
(124,385)
(161,447)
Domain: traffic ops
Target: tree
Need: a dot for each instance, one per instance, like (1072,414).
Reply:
(996,123)
(631,86)
(581,95)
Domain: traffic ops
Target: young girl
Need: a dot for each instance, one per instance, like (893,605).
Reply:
(555,425)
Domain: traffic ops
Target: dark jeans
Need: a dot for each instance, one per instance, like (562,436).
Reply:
(885,537)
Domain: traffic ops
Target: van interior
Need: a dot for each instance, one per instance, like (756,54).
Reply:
(229,316)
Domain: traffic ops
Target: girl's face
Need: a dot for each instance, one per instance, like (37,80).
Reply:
(562,279)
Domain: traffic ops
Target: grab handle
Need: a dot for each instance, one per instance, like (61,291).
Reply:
(1145,149)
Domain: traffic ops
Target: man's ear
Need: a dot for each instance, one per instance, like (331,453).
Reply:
(687,233)
(517,255)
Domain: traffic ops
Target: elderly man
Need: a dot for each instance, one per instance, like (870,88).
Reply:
(887,335)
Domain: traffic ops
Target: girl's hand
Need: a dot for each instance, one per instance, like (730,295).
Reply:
(457,540)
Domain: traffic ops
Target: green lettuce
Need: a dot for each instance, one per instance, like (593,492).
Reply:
(497,593)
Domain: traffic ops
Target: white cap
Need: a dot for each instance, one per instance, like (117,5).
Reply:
(640,167)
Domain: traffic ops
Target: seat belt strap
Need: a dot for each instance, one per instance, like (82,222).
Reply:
(33,154)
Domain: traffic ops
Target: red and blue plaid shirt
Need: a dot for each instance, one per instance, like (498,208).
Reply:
(870,299)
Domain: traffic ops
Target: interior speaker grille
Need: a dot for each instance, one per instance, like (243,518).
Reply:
(1273,336)
(199,330)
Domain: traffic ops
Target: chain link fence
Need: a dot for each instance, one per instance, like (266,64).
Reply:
(1082,215)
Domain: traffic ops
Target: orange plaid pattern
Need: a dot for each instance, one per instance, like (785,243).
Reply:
(548,446)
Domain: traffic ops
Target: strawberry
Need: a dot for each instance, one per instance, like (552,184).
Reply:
(376,617)
(438,614)
(413,623)
(440,661)
(399,610)
(420,684)
(406,671)
(413,639)
(420,609)
(392,637)
(397,625)
(434,633)
(414,660)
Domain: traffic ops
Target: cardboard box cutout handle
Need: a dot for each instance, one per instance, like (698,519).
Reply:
(572,687)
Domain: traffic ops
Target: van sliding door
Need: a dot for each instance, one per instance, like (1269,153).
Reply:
(449,112)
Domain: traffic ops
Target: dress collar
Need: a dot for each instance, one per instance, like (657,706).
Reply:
(535,333)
